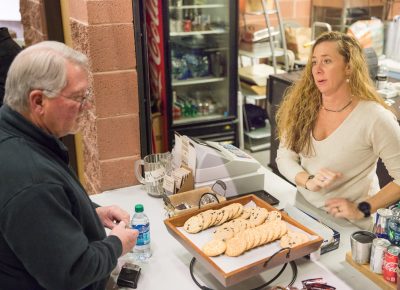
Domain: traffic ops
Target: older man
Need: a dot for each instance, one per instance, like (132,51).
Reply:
(51,235)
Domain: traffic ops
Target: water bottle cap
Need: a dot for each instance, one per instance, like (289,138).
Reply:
(139,208)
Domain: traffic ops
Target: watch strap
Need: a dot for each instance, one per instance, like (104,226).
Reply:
(365,208)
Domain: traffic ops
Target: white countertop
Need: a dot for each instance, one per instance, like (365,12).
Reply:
(169,266)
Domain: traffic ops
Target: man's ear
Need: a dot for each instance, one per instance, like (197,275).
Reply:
(35,100)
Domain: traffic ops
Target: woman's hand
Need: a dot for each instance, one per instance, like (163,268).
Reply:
(322,179)
(343,208)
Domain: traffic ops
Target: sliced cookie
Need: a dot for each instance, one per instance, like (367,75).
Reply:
(214,248)
(194,224)
(235,247)
(293,239)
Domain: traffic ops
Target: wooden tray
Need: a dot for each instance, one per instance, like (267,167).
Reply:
(376,278)
(247,271)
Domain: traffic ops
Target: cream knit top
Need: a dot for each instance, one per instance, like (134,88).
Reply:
(369,131)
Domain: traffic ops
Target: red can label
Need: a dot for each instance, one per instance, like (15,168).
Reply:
(390,261)
(187,25)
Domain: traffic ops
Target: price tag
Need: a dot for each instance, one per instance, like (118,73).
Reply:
(169,184)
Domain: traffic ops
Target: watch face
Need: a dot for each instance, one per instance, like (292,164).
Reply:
(365,208)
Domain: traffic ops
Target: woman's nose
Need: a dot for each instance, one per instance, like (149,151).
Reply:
(317,67)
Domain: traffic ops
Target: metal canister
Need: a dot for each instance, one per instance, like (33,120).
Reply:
(379,246)
(381,223)
(390,261)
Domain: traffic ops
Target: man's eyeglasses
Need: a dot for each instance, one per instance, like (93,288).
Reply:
(80,98)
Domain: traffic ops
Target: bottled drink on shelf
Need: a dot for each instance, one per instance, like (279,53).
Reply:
(176,109)
(187,22)
(382,77)
(140,222)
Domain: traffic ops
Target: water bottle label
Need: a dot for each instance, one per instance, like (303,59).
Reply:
(144,234)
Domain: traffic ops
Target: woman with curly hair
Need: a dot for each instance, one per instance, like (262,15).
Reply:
(333,127)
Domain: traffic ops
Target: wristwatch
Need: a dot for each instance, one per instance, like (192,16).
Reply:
(308,178)
(365,208)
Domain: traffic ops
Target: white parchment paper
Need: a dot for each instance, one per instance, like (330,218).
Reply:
(228,264)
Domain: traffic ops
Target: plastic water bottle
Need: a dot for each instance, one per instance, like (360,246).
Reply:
(140,222)
(382,77)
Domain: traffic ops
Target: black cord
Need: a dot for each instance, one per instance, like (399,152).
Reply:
(194,279)
(272,280)
(294,271)
(292,265)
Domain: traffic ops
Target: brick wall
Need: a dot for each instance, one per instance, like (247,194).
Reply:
(298,11)
(33,21)
(103,30)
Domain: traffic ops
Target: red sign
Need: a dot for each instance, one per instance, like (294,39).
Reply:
(155,44)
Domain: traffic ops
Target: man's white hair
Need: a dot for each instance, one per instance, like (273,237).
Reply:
(40,66)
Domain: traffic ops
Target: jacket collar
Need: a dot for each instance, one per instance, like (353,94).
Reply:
(4,34)
(17,125)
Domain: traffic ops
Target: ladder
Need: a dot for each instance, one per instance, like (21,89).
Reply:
(273,52)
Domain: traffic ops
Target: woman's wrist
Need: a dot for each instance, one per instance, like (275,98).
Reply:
(309,178)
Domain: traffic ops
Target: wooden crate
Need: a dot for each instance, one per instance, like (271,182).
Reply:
(249,270)
(376,278)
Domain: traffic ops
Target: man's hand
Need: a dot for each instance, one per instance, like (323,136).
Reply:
(322,179)
(110,216)
(126,235)
(343,208)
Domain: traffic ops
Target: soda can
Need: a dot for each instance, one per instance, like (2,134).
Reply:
(381,223)
(394,227)
(187,25)
(390,262)
(379,246)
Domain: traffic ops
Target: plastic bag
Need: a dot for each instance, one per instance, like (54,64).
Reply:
(369,33)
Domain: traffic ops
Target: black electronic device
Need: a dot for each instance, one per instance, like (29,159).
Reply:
(272,200)
(129,275)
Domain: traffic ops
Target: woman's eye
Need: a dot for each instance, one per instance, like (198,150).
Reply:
(327,61)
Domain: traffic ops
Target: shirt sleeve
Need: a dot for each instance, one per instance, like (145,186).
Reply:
(288,163)
(385,139)
(40,226)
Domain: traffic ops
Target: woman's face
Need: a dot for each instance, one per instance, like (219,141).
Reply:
(329,68)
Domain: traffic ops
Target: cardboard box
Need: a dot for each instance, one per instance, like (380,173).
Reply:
(256,5)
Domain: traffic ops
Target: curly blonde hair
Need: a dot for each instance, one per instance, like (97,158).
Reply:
(299,109)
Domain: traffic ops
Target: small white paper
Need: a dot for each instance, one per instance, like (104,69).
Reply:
(178,151)
(169,184)
(192,158)
(185,151)
(177,176)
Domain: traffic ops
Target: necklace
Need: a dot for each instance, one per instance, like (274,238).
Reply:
(340,110)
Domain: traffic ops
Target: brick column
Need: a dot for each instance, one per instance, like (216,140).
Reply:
(33,21)
(103,30)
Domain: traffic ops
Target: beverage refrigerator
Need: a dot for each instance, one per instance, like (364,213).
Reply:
(193,67)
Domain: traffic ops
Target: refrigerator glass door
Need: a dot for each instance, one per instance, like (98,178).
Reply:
(200,56)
